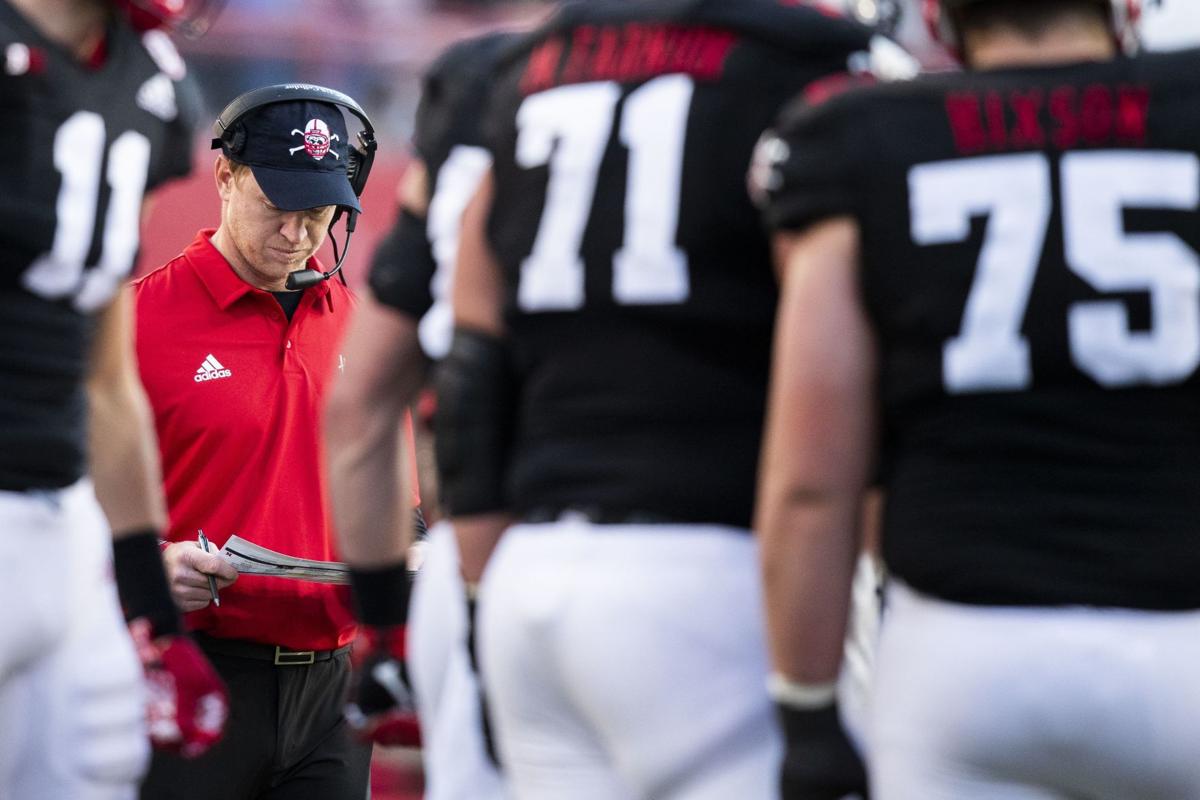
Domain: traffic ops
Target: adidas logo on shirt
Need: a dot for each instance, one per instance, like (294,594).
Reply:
(211,370)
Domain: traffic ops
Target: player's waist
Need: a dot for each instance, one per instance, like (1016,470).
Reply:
(705,477)
(41,459)
(729,513)
(16,478)
(1045,563)
(43,412)
(599,515)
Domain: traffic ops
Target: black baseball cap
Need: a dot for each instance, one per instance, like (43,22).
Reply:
(297,150)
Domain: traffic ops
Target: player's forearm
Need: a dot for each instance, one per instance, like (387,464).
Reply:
(363,422)
(124,463)
(818,451)
(123,451)
(809,546)
(372,512)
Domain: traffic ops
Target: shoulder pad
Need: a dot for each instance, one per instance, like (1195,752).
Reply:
(162,50)
(477,55)
(454,90)
(831,86)
(790,24)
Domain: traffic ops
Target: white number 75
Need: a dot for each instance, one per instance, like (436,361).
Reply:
(989,353)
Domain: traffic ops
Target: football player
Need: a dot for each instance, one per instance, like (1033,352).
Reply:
(604,388)
(399,329)
(991,297)
(96,116)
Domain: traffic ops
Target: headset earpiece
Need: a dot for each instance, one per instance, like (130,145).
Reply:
(362,157)
(236,142)
(353,170)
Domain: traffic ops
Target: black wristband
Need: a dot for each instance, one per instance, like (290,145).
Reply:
(803,723)
(381,595)
(142,582)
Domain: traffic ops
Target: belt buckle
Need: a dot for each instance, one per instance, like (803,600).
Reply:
(294,658)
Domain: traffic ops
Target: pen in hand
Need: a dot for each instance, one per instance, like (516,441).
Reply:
(202,543)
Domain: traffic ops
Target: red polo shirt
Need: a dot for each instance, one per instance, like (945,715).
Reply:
(237,393)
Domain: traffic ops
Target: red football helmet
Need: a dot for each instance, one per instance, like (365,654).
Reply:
(188,17)
(1125,17)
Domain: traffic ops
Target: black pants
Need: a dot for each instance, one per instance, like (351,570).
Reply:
(285,739)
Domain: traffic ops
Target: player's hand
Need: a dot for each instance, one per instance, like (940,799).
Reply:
(187,703)
(380,706)
(188,568)
(820,762)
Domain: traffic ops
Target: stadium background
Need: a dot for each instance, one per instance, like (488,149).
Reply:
(375,50)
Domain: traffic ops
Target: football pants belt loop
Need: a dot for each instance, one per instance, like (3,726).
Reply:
(276,654)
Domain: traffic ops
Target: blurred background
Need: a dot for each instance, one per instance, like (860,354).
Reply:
(374,50)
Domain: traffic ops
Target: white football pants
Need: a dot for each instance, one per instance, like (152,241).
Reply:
(856,681)
(72,711)
(447,689)
(986,703)
(628,661)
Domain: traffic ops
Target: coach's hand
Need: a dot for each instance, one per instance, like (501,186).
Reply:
(187,704)
(820,762)
(380,706)
(188,568)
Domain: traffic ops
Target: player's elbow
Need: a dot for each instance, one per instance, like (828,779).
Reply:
(116,396)
(340,417)
(354,416)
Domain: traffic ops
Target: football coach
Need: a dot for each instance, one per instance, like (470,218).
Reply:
(238,342)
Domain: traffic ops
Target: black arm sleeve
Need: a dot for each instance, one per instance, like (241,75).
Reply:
(142,582)
(381,594)
(402,267)
(476,403)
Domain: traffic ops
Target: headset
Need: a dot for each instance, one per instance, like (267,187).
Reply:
(230,136)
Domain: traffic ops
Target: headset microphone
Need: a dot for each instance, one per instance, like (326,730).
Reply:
(303,278)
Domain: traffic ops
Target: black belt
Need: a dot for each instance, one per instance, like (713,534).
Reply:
(597,516)
(279,656)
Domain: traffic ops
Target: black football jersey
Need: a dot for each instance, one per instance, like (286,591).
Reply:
(412,269)
(640,292)
(1029,262)
(79,148)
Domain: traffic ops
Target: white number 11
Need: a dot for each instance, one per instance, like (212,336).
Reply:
(78,156)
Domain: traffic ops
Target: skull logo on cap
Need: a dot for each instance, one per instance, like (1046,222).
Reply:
(316,140)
